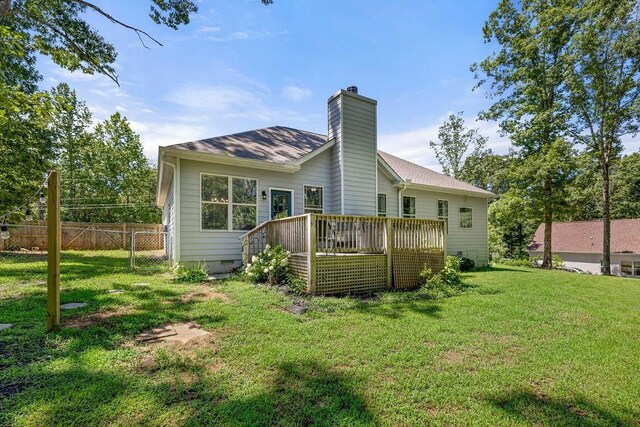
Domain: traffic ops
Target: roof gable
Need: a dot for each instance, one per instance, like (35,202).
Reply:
(587,237)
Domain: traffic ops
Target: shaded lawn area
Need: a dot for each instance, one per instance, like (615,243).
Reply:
(519,347)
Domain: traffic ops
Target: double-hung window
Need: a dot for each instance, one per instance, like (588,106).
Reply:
(313,199)
(443,213)
(408,207)
(228,203)
(466,218)
(382,204)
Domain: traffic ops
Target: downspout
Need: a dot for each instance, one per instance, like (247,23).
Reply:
(404,187)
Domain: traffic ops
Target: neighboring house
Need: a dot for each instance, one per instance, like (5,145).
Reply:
(579,244)
(214,190)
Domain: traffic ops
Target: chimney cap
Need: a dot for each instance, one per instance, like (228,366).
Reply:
(352,89)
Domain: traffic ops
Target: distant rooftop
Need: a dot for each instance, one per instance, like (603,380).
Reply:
(586,237)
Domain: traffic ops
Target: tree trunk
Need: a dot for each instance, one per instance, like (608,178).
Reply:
(548,222)
(606,219)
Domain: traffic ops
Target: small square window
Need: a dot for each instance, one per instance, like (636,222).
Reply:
(313,199)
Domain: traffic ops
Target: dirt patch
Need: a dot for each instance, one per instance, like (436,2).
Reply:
(206,294)
(453,357)
(100,318)
(172,334)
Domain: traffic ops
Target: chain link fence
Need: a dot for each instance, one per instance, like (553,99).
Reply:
(150,250)
(23,255)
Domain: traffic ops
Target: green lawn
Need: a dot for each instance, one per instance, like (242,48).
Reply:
(520,347)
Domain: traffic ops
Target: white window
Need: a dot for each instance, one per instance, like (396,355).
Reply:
(408,207)
(382,204)
(466,218)
(630,268)
(443,213)
(313,199)
(228,203)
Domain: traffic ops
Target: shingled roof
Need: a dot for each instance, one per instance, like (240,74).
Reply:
(586,237)
(421,175)
(277,144)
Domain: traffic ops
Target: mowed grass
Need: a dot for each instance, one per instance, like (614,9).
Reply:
(519,347)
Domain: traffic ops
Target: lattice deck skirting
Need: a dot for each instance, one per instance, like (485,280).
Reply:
(343,274)
(299,266)
(408,263)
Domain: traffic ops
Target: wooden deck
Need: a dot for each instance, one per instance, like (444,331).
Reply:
(339,254)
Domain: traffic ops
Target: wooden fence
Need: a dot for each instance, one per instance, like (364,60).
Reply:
(32,236)
(346,253)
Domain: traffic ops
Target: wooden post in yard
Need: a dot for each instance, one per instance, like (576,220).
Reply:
(53,251)
(388,245)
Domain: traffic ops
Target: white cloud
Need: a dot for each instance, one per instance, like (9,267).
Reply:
(414,145)
(154,134)
(295,93)
(208,29)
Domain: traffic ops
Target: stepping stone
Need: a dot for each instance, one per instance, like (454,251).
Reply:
(297,309)
(140,284)
(4,326)
(172,334)
(115,291)
(73,305)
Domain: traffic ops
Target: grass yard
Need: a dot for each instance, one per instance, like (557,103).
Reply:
(520,347)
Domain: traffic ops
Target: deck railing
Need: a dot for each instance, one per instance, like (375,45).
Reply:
(310,237)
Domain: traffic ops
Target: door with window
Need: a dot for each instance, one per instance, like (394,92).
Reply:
(281,203)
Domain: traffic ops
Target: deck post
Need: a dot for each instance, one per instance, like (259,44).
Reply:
(443,233)
(388,246)
(311,253)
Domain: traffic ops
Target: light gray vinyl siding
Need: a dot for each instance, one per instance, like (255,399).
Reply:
(359,157)
(169,220)
(468,242)
(335,131)
(216,246)
(385,187)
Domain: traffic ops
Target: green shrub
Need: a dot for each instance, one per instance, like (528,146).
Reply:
(191,272)
(467,264)
(522,262)
(557,262)
(449,277)
(270,266)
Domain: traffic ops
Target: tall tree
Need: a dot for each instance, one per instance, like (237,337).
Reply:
(71,122)
(487,170)
(604,83)
(456,142)
(526,78)
(625,187)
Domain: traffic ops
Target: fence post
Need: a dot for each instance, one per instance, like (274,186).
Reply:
(132,249)
(388,245)
(53,251)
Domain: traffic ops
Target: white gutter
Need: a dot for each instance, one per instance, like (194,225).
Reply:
(404,187)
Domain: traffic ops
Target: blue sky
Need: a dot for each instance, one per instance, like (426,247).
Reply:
(240,65)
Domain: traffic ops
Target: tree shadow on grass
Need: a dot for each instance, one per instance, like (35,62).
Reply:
(302,394)
(539,409)
(398,310)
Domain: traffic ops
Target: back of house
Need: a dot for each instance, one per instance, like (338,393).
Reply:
(214,190)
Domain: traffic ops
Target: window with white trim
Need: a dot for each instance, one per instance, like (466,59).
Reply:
(443,213)
(408,207)
(228,203)
(382,204)
(630,268)
(466,218)
(313,199)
